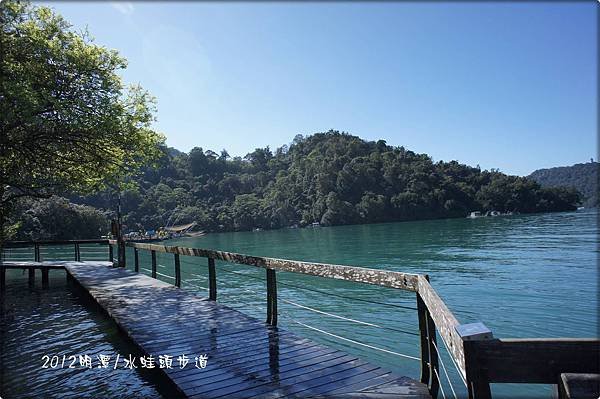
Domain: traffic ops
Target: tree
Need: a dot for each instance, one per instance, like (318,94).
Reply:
(58,219)
(68,123)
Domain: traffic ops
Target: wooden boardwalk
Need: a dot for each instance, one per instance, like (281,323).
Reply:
(251,358)
(246,357)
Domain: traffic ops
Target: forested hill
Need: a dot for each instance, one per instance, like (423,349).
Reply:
(332,178)
(581,176)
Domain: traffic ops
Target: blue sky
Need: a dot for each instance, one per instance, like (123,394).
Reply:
(503,85)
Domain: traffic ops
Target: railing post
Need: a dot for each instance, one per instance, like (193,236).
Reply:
(122,258)
(45,279)
(177,271)
(212,280)
(434,386)
(2,277)
(271,297)
(429,355)
(36,252)
(31,279)
(424,343)
(77,253)
(110,253)
(478,385)
(153,254)
(136,260)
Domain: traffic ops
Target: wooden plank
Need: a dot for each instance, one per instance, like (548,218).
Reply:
(383,278)
(444,321)
(537,361)
(263,382)
(246,356)
(261,353)
(230,378)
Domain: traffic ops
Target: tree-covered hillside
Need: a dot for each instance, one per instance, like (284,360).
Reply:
(581,176)
(332,178)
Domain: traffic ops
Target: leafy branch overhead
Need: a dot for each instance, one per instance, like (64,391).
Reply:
(68,121)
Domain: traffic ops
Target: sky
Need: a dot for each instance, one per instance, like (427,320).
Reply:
(501,85)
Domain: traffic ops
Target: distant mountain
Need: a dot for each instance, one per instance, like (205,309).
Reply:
(582,176)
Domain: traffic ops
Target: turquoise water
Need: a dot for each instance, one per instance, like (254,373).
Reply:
(523,276)
(63,323)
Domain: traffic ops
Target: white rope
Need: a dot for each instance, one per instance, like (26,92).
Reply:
(330,314)
(440,383)
(444,368)
(462,378)
(164,275)
(353,341)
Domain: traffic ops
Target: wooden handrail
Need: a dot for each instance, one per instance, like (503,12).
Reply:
(444,321)
(384,278)
(17,244)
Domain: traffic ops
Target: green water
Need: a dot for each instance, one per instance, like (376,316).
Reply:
(523,276)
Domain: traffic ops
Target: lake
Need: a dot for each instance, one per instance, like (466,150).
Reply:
(523,276)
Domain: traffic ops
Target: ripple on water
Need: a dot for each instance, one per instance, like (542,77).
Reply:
(60,321)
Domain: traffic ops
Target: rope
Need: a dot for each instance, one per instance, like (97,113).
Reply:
(454,362)
(444,368)
(351,340)
(349,319)
(441,387)
(164,275)
(330,314)
(324,292)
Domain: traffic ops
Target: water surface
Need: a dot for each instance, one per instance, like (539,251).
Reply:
(523,276)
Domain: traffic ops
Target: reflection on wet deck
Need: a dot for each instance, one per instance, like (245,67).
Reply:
(246,357)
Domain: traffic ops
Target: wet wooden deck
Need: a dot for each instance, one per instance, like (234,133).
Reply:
(246,357)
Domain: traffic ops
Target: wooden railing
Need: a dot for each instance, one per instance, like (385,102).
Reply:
(38,245)
(479,358)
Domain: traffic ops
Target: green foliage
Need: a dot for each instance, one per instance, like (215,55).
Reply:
(58,219)
(331,178)
(582,177)
(68,122)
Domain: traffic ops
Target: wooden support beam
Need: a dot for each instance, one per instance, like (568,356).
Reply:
(153,254)
(424,343)
(212,280)
(110,253)
(478,384)
(2,278)
(36,252)
(121,254)
(31,279)
(536,360)
(271,297)
(177,271)
(434,360)
(45,277)
(136,260)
